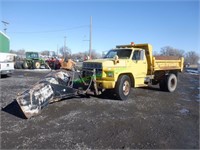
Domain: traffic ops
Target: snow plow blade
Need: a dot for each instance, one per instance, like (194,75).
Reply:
(54,87)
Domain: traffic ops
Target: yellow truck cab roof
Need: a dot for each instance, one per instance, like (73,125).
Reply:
(142,46)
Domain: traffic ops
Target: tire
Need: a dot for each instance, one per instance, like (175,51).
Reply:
(25,65)
(171,83)
(18,65)
(162,84)
(36,65)
(123,87)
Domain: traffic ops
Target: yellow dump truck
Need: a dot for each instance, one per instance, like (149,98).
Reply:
(124,67)
(134,65)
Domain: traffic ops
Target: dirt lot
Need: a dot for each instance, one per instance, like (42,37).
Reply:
(149,119)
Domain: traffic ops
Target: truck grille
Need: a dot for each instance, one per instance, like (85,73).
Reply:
(90,66)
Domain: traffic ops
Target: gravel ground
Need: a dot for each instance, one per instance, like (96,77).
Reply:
(149,119)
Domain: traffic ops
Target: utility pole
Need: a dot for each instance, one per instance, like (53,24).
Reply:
(57,50)
(90,39)
(5,24)
(90,43)
(64,48)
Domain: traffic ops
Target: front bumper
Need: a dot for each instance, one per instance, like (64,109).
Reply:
(4,72)
(102,84)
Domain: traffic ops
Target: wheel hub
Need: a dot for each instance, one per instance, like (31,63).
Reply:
(126,88)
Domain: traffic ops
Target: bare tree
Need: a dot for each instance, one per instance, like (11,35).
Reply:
(191,57)
(79,56)
(65,51)
(95,54)
(170,51)
(13,51)
(46,52)
(83,55)
(21,52)
(155,53)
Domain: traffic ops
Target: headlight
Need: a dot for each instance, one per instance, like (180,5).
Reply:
(110,74)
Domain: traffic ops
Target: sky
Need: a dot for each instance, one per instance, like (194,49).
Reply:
(42,25)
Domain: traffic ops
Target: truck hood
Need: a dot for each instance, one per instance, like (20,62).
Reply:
(109,62)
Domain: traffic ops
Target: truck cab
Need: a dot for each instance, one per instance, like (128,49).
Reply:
(7,63)
(130,61)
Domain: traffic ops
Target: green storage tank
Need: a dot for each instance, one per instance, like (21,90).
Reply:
(4,43)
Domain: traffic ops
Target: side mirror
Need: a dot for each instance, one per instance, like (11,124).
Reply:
(116,59)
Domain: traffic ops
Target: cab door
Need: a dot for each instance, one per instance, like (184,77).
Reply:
(139,67)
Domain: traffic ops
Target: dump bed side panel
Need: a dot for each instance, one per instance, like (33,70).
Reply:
(167,63)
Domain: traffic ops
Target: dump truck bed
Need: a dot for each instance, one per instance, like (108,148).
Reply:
(167,63)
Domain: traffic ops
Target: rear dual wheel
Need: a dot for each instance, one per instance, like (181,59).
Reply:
(169,83)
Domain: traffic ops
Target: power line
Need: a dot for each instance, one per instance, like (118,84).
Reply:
(49,31)
(5,24)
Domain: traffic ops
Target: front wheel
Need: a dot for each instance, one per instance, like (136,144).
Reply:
(123,87)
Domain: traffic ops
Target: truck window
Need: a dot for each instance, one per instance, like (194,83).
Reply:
(138,55)
(111,54)
(121,53)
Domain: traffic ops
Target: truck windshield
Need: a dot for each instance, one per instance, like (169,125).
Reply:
(121,53)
